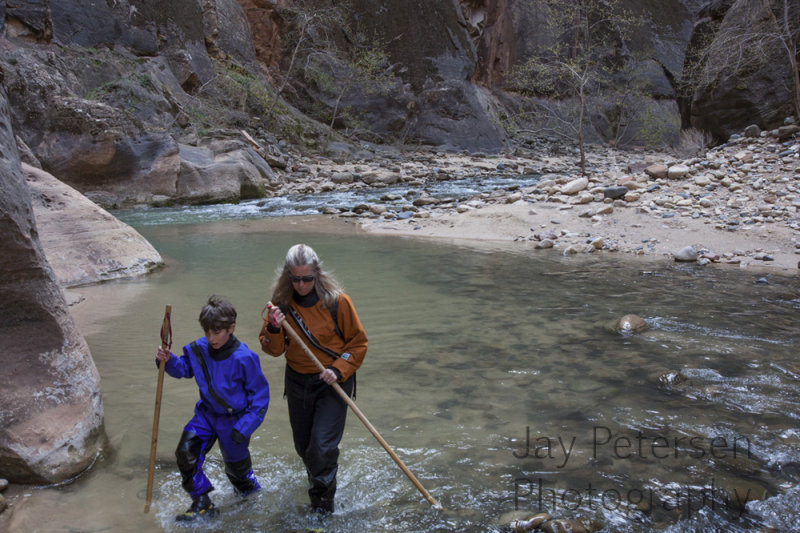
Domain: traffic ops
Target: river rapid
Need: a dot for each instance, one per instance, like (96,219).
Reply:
(494,372)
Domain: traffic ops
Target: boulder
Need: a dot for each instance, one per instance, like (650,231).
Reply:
(51,423)
(83,242)
(734,91)
(206,178)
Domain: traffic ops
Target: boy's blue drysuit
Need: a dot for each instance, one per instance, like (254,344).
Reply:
(234,396)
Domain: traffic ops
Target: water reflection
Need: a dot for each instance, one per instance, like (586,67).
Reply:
(493,373)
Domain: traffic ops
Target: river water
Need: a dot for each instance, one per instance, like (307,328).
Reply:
(494,374)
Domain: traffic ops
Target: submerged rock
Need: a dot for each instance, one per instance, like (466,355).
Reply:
(630,324)
(529,524)
(672,378)
(578,525)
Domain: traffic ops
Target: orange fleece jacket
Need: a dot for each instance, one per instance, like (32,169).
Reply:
(319,321)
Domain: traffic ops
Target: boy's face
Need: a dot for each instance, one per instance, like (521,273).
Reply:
(218,337)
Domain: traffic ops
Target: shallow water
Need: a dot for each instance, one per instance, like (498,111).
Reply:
(394,197)
(493,373)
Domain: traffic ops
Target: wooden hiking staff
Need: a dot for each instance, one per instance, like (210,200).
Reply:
(361,416)
(166,343)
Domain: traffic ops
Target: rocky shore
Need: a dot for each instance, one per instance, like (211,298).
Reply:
(736,204)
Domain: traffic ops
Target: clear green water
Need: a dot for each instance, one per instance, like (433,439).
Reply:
(482,363)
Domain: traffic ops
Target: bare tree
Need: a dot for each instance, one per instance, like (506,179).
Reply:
(587,50)
(314,25)
(361,68)
(790,38)
(739,45)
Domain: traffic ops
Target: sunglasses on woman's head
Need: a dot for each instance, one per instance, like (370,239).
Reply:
(298,279)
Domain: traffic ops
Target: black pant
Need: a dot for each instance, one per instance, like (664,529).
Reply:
(317,414)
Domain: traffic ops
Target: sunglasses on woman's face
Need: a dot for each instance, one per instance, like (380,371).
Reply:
(298,279)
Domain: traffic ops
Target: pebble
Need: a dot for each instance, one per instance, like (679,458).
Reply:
(686,254)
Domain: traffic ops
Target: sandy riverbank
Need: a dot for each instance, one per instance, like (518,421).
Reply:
(737,206)
(630,232)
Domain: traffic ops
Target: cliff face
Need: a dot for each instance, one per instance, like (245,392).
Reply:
(115,89)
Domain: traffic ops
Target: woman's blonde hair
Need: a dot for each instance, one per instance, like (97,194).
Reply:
(326,287)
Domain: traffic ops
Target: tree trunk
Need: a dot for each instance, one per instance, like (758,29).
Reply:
(582,97)
(791,49)
(306,22)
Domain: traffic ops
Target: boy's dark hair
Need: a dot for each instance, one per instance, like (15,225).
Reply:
(218,313)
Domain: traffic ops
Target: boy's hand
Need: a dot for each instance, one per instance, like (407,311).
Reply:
(162,354)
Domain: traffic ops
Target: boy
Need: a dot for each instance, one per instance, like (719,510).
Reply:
(234,395)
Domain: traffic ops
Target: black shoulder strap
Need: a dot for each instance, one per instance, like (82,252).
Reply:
(310,336)
(211,391)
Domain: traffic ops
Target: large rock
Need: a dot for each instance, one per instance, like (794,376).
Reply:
(229,177)
(51,423)
(736,90)
(83,242)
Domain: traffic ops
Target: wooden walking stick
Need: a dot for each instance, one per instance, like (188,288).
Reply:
(166,343)
(361,416)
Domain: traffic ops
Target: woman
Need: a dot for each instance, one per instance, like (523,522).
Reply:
(317,309)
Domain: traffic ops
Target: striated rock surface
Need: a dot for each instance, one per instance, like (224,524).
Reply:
(83,242)
(51,423)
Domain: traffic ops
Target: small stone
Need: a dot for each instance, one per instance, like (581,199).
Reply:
(702,181)
(656,171)
(615,192)
(575,186)
(686,254)
(752,131)
(579,249)
(632,197)
(677,171)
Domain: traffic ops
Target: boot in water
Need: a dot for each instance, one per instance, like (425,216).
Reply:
(201,508)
